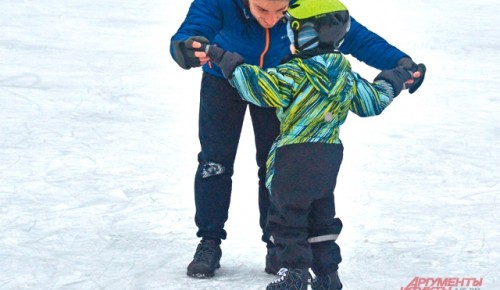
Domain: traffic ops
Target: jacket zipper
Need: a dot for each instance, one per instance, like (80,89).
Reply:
(266,47)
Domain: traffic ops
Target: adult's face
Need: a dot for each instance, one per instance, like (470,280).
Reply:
(268,12)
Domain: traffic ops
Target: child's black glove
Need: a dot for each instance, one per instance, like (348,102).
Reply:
(184,52)
(227,61)
(396,77)
(409,65)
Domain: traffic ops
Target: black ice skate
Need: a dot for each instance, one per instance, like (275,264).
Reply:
(329,281)
(290,279)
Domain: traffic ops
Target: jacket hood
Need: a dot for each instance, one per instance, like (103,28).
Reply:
(323,70)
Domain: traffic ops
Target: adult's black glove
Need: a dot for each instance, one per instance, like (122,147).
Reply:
(409,65)
(184,52)
(227,61)
(396,77)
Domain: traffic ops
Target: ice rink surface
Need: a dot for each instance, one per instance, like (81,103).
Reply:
(98,145)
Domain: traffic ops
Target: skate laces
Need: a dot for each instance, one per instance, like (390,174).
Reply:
(282,275)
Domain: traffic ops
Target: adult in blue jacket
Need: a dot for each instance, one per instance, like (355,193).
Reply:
(256,30)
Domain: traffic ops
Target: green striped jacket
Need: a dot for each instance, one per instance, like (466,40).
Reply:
(313,97)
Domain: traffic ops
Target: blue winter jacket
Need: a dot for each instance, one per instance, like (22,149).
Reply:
(230,25)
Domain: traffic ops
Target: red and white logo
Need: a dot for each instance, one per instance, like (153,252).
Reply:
(451,283)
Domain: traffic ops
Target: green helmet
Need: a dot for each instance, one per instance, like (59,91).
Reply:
(329,19)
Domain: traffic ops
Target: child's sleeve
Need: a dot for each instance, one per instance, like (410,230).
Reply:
(369,99)
(264,88)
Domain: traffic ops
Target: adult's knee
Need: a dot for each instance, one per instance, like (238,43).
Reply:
(209,169)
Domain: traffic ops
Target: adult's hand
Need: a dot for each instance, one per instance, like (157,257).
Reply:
(189,53)
(417,73)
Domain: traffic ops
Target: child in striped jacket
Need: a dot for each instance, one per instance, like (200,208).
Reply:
(313,93)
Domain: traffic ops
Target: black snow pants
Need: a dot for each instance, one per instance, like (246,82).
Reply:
(301,219)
